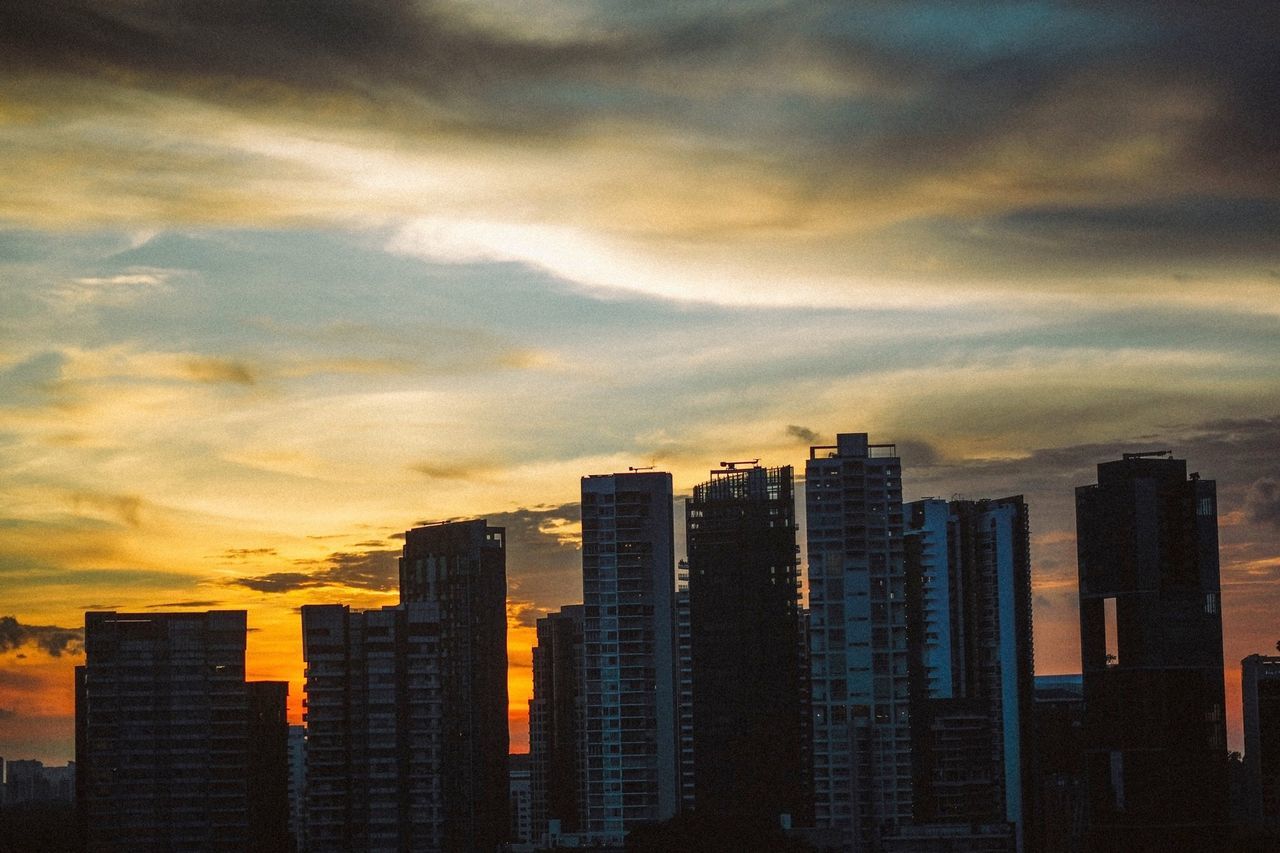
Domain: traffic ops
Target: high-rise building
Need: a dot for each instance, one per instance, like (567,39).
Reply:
(1260,682)
(968,567)
(858,639)
(268,766)
(630,655)
(557,735)
(406,706)
(27,781)
(1059,764)
(684,688)
(375,738)
(162,732)
(1151,648)
(298,787)
(745,630)
(521,801)
(461,566)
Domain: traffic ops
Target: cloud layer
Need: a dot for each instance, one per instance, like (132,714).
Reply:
(50,639)
(702,149)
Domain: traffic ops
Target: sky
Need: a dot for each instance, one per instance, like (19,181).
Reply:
(279,281)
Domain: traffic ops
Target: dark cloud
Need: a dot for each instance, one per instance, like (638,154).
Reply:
(910,88)
(1179,228)
(383,56)
(127,508)
(216,370)
(181,604)
(373,570)
(1262,503)
(18,680)
(280,582)
(803,434)
(523,614)
(50,639)
(31,382)
(249,553)
(435,471)
(917,452)
(544,566)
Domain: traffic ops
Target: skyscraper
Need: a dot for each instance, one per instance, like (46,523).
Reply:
(406,706)
(684,689)
(268,765)
(461,566)
(375,747)
(1260,682)
(971,664)
(628,580)
(858,639)
(1151,647)
(745,630)
(557,735)
(298,787)
(1058,742)
(162,732)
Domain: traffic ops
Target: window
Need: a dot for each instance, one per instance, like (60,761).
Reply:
(1211,603)
(1117,780)
(1112,643)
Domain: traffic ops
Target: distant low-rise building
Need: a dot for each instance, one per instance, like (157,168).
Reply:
(30,782)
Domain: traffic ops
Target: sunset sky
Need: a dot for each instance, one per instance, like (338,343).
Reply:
(279,280)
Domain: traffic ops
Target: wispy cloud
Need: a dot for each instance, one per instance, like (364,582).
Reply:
(221,370)
(50,639)
(378,571)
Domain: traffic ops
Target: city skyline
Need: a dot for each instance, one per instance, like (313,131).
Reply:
(280,283)
(24,639)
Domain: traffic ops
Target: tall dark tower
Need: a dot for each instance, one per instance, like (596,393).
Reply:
(162,732)
(557,736)
(1151,648)
(461,566)
(744,631)
(971,660)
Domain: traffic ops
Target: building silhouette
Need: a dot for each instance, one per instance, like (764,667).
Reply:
(858,639)
(971,663)
(30,782)
(268,765)
(1151,648)
(298,787)
(461,567)
(406,706)
(745,634)
(557,730)
(1059,764)
(520,787)
(630,654)
(375,739)
(684,687)
(1260,683)
(162,732)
